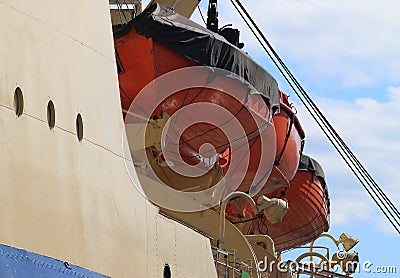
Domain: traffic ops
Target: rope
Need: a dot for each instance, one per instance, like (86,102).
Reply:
(202,16)
(289,131)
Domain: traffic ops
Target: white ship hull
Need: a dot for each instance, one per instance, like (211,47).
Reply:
(68,199)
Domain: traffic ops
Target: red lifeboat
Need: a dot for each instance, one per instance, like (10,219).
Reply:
(238,132)
(289,145)
(309,207)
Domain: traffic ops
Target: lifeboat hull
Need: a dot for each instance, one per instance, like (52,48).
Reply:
(241,127)
(289,139)
(309,207)
(289,145)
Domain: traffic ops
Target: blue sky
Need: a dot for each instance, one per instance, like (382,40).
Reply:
(347,56)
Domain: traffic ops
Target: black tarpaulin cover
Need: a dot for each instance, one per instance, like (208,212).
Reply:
(199,44)
(309,164)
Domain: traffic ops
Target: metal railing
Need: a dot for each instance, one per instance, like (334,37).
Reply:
(228,266)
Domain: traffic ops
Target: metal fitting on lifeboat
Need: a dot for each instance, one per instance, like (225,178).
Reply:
(274,209)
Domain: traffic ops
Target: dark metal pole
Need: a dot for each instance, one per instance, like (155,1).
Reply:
(212,16)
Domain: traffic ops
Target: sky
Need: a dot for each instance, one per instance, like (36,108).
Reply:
(346,55)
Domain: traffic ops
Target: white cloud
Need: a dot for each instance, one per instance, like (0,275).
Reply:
(350,208)
(394,93)
(383,226)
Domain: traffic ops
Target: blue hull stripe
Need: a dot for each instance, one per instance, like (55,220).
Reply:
(20,264)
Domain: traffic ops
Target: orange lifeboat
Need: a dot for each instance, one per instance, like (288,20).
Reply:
(289,145)
(158,55)
(309,207)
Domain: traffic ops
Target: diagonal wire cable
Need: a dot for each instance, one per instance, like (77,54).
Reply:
(366,180)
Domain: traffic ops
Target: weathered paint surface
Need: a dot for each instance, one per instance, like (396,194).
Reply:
(70,200)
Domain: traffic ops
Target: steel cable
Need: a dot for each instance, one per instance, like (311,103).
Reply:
(366,180)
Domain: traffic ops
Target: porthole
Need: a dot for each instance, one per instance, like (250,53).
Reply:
(79,127)
(167,271)
(51,114)
(18,102)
